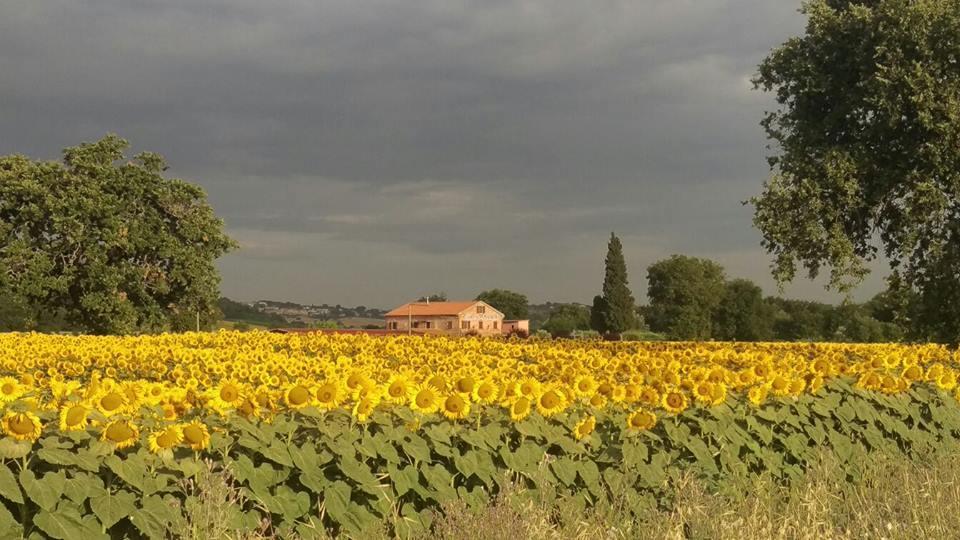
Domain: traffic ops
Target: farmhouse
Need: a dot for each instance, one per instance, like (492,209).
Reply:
(447,318)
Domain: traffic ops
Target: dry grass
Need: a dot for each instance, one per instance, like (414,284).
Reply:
(894,499)
(213,500)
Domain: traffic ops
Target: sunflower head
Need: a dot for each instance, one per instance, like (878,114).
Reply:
(297,396)
(398,389)
(425,400)
(758,394)
(24,426)
(10,389)
(329,395)
(165,439)
(551,401)
(365,406)
(196,435)
(520,408)
(455,407)
(73,417)
(641,420)
(486,391)
(122,433)
(584,427)
(674,401)
(111,402)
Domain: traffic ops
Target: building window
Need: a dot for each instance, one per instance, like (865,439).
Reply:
(480,325)
(481,309)
(495,325)
(464,325)
(449,325)
(393,325)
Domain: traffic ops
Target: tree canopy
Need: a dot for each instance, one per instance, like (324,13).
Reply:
(566,318)
(742,313)
(513,305)
(866,158)
(684,292)
(107,243)
(615,311)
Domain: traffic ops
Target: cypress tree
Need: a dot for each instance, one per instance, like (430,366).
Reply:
(617,305)
(598,315)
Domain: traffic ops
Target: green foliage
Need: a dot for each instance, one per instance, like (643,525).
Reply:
(513,305)
(319,471)
(742,313)
(867,160)
(566,319)
(106,242)
(435,297)
(684,293)
(641,335)
(615,311)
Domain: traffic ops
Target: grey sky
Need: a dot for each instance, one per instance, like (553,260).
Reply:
(370,152)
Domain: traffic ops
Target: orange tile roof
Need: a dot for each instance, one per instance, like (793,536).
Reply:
(420,309)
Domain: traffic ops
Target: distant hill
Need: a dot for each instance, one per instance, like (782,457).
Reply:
(239,312)
(275,314)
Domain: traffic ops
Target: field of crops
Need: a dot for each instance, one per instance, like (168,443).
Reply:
(337,434)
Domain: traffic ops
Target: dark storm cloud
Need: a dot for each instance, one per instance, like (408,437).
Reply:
(364,152)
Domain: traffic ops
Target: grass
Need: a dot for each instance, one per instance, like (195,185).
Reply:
(894,499)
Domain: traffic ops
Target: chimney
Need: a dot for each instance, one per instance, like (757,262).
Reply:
(428,300)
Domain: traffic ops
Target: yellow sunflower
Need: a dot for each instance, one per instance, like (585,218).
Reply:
(703,392)
(249,408)
(399,389)
(551,401)
(169,412)
(438,382)
(358,382)
(528,387)
(947,380)
(122,433)
(227,394)
(584,386)
(74,417)
(674,401)
(465,384)
(641,420)
(10,389)
(196,435)
(425,400)
(649,396)
(23,426)
(365,406)
(520,408)
(329,395)
(486,392)
(780,385)
(598,401)
(455,407)
(110,403)
(296,396)
(584,427)
(165,439)
(758,394)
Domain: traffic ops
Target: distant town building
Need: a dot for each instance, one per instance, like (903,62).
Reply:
(448,318)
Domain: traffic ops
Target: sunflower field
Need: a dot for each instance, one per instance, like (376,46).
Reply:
(334,434)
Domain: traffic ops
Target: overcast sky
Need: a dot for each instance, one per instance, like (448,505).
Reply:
(369,152)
